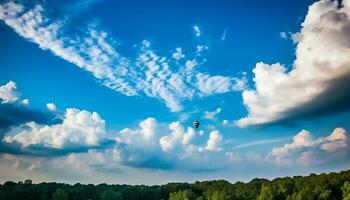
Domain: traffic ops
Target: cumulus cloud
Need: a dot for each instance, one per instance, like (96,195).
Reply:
(51,106)
(147,132)
(214,141)
(178,136)
(307,150)
(168,146)
(94,51)
(317,83)
(79,128)
(9,93)
(150,145)
(212,115)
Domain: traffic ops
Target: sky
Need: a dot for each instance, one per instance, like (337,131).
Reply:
(97,91)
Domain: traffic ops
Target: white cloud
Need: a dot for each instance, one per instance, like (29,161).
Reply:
(173,87)
(9,93)
(232,156)
(212,115)
(209,85)
(259,142)
(51,107)
(25,102)
(201,132)
(178,136)
(322,60)
(93,50)
(178,54)
(228,123)
(84,131)
(145,135)
(170,145)
(200,49)
(307,150)
(214,141)
(283,35)
(79,128)
(197,31)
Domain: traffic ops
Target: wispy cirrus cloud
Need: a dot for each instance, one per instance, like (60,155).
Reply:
(259,142)
(94,51)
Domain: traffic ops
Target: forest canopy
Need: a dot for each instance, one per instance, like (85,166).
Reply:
(323,186)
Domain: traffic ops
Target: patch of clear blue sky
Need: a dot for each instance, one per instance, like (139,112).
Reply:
(252,35)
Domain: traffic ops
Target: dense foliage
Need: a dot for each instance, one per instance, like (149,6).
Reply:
(324,186)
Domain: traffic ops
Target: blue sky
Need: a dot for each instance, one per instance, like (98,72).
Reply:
(109,90)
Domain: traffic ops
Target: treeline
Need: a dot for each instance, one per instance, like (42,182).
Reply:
(331,186)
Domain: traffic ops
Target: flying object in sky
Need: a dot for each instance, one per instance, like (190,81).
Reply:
(196,124)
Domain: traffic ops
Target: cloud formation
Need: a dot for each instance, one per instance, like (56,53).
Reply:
(162,145)
(214,141)
(163,78)
(79,128)
(8,92)
(306,150)
(51,107)
(150,145)
(317,83)
(177,137)
(212,115)
(15,111)
(197,31)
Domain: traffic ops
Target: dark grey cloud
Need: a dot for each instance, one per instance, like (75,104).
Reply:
(318,83)
(39,150)
(334,100)
(12,115)
(16,114)
(152,162)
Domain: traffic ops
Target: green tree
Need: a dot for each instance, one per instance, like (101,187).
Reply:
(110,195)
(182,195)
(265,193)
(219,195)
(325,195)
(346,190)
(59,194)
